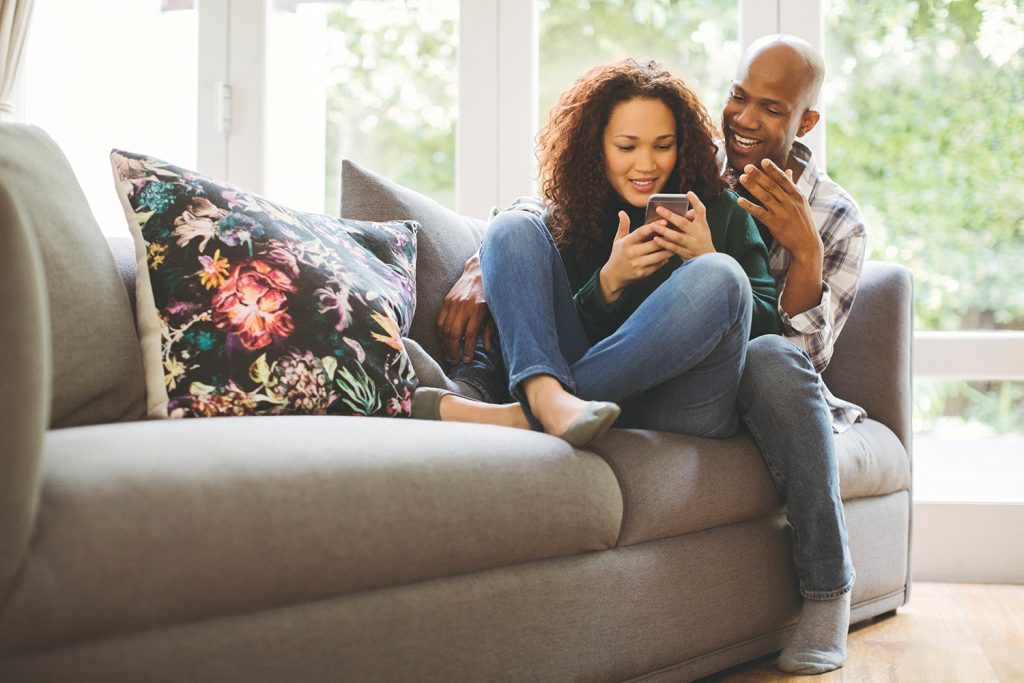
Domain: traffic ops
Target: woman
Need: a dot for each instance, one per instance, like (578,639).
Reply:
(593,315)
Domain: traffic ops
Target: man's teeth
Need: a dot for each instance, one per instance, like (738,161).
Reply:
(744,142)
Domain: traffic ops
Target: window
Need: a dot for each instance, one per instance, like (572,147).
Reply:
(120,73)
(392,93)
(925,109)
(695,40)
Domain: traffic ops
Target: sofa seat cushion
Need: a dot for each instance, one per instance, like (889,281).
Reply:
(674,484)
(161,522)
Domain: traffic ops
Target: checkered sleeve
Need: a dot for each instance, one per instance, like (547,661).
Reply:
(845,240)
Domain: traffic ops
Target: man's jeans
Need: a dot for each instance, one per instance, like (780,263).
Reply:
(781,403)
(673,365)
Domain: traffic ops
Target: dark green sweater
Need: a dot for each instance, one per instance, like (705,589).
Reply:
(732,232)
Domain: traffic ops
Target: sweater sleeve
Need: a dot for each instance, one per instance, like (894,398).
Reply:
(599,318)
(746,246)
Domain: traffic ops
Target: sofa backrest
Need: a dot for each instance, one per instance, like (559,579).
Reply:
(444,243)
(871,360)
(97,365)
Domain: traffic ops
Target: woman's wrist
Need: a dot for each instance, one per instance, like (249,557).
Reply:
(610,290)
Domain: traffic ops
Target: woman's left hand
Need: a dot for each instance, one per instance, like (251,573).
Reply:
(686,236)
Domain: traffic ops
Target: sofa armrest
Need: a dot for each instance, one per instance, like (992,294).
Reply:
(871,360)
(25,384)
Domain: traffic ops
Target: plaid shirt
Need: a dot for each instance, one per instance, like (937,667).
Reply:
(844,237)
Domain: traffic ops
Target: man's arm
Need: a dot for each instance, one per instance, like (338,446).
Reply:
(464,315)
(825,254)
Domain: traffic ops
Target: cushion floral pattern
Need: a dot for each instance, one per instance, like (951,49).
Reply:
(252,308)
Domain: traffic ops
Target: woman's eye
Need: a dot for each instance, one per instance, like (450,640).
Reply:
(665,148)
(626,149)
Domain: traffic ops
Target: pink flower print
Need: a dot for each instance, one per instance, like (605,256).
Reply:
(280,253)
(128,168)
(253,304)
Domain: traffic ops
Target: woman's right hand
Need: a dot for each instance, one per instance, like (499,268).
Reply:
(634,257)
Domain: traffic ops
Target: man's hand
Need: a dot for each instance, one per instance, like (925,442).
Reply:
(464,315)
(787,215)
(689,236)
(634,256)
(784,210)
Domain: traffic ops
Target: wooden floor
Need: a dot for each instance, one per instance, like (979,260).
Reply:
(947,632)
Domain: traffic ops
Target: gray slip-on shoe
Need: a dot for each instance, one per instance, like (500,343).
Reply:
(595,421)
(426,402)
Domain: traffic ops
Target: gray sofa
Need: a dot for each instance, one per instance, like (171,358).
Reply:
(369,549)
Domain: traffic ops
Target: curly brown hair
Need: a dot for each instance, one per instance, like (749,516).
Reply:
(571,149)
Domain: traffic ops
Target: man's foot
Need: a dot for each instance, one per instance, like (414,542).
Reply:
(819,644)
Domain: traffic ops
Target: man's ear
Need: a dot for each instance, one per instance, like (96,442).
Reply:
(808,121)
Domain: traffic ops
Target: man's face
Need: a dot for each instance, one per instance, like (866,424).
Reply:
(765,110)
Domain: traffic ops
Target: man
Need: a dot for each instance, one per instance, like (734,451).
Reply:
(816,242)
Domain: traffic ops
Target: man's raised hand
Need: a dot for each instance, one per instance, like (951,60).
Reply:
(784,210)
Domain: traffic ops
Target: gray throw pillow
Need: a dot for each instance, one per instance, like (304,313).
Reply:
(97,366)
(445,241)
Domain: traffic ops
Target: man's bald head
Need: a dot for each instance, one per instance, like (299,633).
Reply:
(795,56)
(771,101)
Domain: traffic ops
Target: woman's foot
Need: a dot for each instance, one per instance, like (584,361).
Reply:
(566,415)
(819,643)
(429,403)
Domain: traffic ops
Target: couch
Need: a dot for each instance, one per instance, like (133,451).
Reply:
(307,548)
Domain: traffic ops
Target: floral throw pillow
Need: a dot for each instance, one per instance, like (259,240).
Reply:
(245,307)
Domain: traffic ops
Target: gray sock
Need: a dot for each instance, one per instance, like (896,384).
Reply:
(819,643)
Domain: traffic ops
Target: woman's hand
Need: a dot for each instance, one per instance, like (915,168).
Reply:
(688,236)
(634,256)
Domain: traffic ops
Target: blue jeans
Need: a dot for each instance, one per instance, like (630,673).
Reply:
(673,365)
(781,403)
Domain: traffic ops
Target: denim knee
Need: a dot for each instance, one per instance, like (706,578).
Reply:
(721,277)
(776,371)
(514,231)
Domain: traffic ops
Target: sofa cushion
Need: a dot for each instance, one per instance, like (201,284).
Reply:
(168,521)
(97,369)
(246,307)
(446,240)
(674,484)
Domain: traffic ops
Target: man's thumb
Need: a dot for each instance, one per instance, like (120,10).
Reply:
(623,226)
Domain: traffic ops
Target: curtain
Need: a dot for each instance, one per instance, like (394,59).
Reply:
(14,16)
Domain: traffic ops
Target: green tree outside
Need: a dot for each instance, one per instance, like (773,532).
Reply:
(925,128)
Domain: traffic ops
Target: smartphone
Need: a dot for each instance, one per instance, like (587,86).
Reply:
(677,203)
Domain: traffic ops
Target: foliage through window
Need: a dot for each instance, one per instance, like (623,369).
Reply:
(925,105)
(695,40)
(393,94)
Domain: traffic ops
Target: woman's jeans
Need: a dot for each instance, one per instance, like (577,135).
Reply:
(673,365)
(781,403)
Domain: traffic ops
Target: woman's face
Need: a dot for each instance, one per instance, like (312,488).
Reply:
(639,149)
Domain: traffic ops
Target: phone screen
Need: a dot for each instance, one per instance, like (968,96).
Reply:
(676,203)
